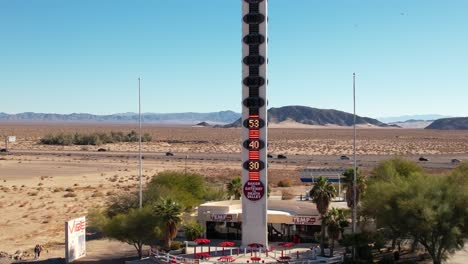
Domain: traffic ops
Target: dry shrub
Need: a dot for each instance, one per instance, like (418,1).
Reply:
(114,179)
(286,195)
(69,189)
(69,194)
(58,189)
(97,194)
(284,183)
(32,193)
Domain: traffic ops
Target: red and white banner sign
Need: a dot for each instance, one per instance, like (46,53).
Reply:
(305,220)
(221,217)
(75,239)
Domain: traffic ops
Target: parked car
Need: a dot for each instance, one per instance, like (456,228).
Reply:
(455,161)
(344,157)
(101,149)
(169,154)
(4,150)
(281,156)
(423,159)
(269,156)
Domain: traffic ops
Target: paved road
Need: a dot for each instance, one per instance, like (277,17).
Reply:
(439,161)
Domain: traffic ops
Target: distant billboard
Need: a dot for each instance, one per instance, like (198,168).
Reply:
(75,239)
(11,139)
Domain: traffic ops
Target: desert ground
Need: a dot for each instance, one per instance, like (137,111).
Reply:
(43,186)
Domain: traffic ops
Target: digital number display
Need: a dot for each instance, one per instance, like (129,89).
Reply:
(253,102)
(254,60)
(254,165)
(254,81)
(254,18)
(253,1)
(254,144)
(252,123)
(254,39)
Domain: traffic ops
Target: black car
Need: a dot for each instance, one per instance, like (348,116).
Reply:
(423,159)
(455,161)
(4,150)
(169,154)
(269,156)
(344,157)
(281,156)
(101,149)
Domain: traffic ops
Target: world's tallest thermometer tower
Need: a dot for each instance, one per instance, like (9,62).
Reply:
(254,122)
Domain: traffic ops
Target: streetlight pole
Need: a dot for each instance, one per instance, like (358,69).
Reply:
(354,167)
(140,169)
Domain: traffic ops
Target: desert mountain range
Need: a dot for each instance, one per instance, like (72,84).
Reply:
(287,116)
(296,115)
(454,123)
(221,117)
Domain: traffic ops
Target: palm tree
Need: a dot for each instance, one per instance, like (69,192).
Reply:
(170,213)
(234,188)
(336,221)
(349,181)
(321,194)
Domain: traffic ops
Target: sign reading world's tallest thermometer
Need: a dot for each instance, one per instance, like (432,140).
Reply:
(254,122)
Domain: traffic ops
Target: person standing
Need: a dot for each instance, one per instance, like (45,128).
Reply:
(39,252)
(36,251)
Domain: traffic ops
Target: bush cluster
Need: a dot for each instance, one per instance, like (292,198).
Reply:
(64,139)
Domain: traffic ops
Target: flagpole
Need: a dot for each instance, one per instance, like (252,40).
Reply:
(354,167)
(140,193)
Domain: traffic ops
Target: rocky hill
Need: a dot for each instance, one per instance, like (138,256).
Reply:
(314,116)
(454,123)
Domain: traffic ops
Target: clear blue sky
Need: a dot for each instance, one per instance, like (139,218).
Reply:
(410,56)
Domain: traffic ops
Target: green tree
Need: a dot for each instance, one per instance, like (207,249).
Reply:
(170,213)
(335,220)
(397,167)
(122,204)
(193,230)
(188,190)
(429,209)
(234,188)
(349,183)
(138,227)
(321,194)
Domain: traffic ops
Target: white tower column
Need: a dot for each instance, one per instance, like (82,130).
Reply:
(254,122)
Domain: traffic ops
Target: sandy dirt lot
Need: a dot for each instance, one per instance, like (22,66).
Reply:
(43,186)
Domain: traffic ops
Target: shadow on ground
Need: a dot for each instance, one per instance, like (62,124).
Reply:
(44,261)
(62,261)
